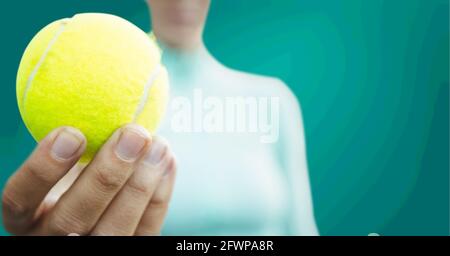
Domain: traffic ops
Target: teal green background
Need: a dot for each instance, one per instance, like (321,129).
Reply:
(371,76)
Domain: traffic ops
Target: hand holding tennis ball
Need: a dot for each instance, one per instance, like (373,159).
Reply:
(95,72)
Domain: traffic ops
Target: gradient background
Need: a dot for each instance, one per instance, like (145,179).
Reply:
(372,78)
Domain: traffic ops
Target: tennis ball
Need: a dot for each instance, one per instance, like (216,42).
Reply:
(95,72)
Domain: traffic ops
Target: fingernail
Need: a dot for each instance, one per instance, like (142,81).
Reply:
(155,155)
(66,144)
(131,142)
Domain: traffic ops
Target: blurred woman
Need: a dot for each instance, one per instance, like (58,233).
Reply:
(238,138)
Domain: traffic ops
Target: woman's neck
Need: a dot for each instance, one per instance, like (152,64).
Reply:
(186,65)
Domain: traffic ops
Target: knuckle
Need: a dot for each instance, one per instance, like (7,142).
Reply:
(61,224)
(12,207)
(109,179)
(139,187)
(159,204)
(39,174)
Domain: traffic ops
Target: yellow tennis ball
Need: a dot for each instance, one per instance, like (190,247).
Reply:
(95,72)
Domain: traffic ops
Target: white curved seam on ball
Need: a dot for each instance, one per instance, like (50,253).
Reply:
(145,94)
(61,28)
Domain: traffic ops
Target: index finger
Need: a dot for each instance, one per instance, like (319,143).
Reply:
(48,163)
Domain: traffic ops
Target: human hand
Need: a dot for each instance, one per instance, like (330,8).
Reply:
(124,190)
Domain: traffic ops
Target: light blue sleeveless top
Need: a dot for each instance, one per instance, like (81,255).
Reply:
(227,183)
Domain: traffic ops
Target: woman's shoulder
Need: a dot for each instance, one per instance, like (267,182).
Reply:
(257,82)
(267,85)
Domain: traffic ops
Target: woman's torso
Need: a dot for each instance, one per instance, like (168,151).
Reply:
(228,183)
